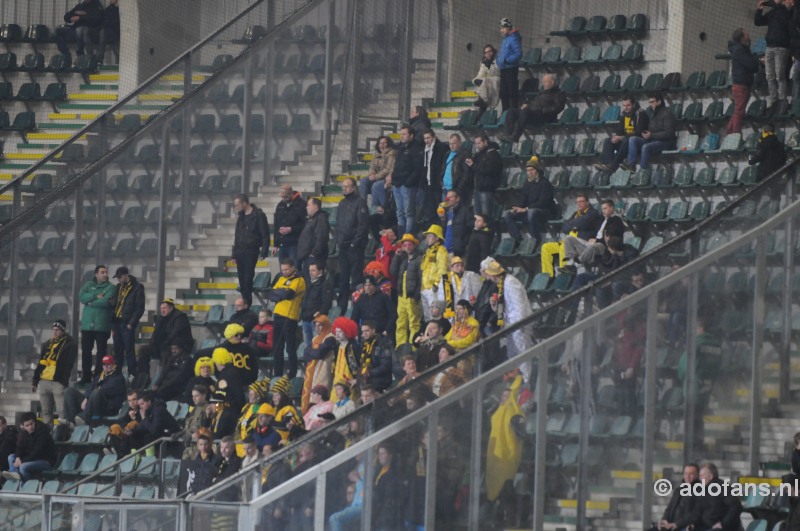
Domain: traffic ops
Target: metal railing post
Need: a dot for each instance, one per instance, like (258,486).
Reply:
(407,61)
(540,455)
(430,471)
(185,141)
(354,65)
(161,259)
(13,292)
(759,316)
(327,105)
(584,410)
(247,112)
(689,404)
(476,453)
(784,385)
(648,443)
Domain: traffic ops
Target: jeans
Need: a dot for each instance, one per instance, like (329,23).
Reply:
(83,35)
(340,520)
(614,153)
(26,470)
(484,204)
(109,39)
(288,251)
(741,95)
(351,266)
(647,148)
(509,88)
(308,331)
(124,345)
(246,270)
(376,188)
(775,62)
(285,339)
(404,199)
(88,340)
(535,217)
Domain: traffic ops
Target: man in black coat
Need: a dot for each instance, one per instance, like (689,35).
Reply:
(170,383)
(104,397)
(615,148)
(583,251)
(435,155)
(456,173)
(312,246)
(716,512)
(243,316)
(290,218)
(250,241)
(228,464)
(537,206)
(770,155)
(109,36)
(83,25)
(660,135)
(318,299)
(35,452)
(543,108)
(156,421)
(480,243)
(744,67)
(407,176)
(8,442)
(390,490)
(680,511)
(171,327)
(128,304)
(375,363)
(352,229)
(487,167)
(419,122)
(374,305)
(51,377)
(458,222)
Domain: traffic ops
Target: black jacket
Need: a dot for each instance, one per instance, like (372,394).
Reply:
(413,272)
(778,21)
(539,195)
(313,242)
(37,446)
(156,422)
(409,169)
(744,65)
(681,509)
(438,158)
(379,375)
(662,125)
(93,17)
(461,173)
(614,226)
(170,329)
(172,378)
(770,156)
(640,121)
(462,224)
(64,357)
(114,388)
(204,470)
(132,306)
(8,445)
(352,222)
(548,104)
(587,224)
(245,362)
(318,298)
(390,494)
(419,125)
(478,248)
(111,23)
(378,308)
(226,469)
(291,214)
(709,510)
(488,168)
(484,313)
(252,232)
(232,386)
(247,318)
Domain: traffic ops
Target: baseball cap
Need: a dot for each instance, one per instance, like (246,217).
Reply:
(108,360)
(121,271)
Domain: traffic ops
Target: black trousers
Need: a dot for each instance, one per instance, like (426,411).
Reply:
(351,266)
(90,338)
(509,88)
(285,339)
(246,270)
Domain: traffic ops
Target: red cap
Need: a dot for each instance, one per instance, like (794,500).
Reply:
(108,360)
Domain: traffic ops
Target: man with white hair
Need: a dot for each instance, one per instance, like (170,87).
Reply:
(543,108)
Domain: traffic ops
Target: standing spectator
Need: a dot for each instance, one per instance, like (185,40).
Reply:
(389,492)
(36,450)
(205,464)
(457,174)
(375,365)
(243,316)
(659,136)
(104,396)
(290,217)
(510,306)
(542,108)
(744,67)
(582,224)
(222,414)
(195,419)
(779,22)
(287,294)
(406,268)
(385,216)
(250,241)
(261,339)
(458,284)
(487,81)
(434,266)
(110,32)
(380,167)
(375,306)
(385,252)
(538,203)
(435,154)
(319,356)
(504,452)
(170,383)
(83,25)
(407,175)
(345,367)
(487,167)
(312,246)
(458,223)
(419,122)
(251,454)
(128,304)
(243,356)
(628,349)
(51,377)
(634,121)
(318,299)
(508,62)
(171,326)
(228,464)
(95,296)
(428,346)
(352,219)
(8,442)
(770,155)
(480,242)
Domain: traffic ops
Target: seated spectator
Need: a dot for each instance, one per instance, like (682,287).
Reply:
(109,36)
(156,421)
(583,224)
(537,206)
(615,255)
(319,405)
(380,167)
(487,81)
(793,518)
(438,314)
(680,510)
(83,25)
(103,398)
(716,512)
(345,366)
(170,381)
(659,136)
(256,395)
(221,414)
(203,375)
(243,316)
(578,250)
(197,417)
(340,520)
(8,442)
(480,243)
(131,414)
(35,452)
(265,434)
(375,306)
(456,285)
(450,378)
(51,377)
(541,109)
(228,378)
(343,405)
(368,394)
(795,453)
(770,154)
(428,346)
(319,356)
(466,330)
(171,326)
(261,335)
(409,368)
(615,148)
(288,422)
(251,453)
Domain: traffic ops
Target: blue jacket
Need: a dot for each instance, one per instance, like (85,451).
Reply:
(510,53)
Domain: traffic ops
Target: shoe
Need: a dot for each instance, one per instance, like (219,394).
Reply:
(781,107)
(79,421)
(11,475)
(568,270)
(628,167)
(602,167)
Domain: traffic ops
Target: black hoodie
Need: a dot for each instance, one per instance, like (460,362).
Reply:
(252,232)
(744,64)
(488,168)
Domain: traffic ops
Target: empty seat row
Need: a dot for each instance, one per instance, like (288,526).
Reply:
(32,92)
(598,25)
(590,56)
(58,64)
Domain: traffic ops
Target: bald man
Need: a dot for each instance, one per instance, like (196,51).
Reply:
(243,316)
(290,218)
(543,108)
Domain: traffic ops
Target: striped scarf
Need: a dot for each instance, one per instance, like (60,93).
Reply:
(123,293)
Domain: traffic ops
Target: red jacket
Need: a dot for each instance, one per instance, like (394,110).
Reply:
(261,336)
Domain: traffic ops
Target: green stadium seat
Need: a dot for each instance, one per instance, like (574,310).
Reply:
(641,179)
(613,54)
(579,180)
(727,178)
(679,212)
(573,55)
(652,83)
(686,145)
(593,54)
(636,212)
(631,85)
(658,212)
(693,113)
(551,56)
(757,110)
(85,64)
(590,85)
(611,84)
(560,180)
(591,116)
(717,81)
(586,147)
(571,85)
(731,143)
(705,178)
(8,62)
(637,24)
(695,83)
(29,92)
(32,62)
(684,177)
(617,25)
(576,26)
(596,24)
(569,116)
(634,53)
(749,176)
(526,149)
(533,57)
(700,211)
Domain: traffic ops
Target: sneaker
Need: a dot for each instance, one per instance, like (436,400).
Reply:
(11,475)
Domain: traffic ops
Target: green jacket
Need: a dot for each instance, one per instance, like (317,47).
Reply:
(96,312)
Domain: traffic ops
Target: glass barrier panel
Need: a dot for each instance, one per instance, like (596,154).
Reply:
(209,516)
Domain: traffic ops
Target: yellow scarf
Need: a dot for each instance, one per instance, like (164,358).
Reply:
(382,473)
(51,358)
(123,294)
(366,356)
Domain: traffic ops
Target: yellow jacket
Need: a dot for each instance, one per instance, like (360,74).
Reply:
(463,335)
(434,265)
(290,308)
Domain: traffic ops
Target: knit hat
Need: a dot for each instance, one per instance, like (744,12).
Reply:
(282,386)
(219,396)
(121,271)
(322,391)
(506,23)
(348,326)
(261,388)
(221,356)
(436,230)
(60,324)
(266,409)
(205,361)
(534,162)
(233,330)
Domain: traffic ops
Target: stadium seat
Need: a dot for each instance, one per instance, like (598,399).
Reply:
(576,26)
